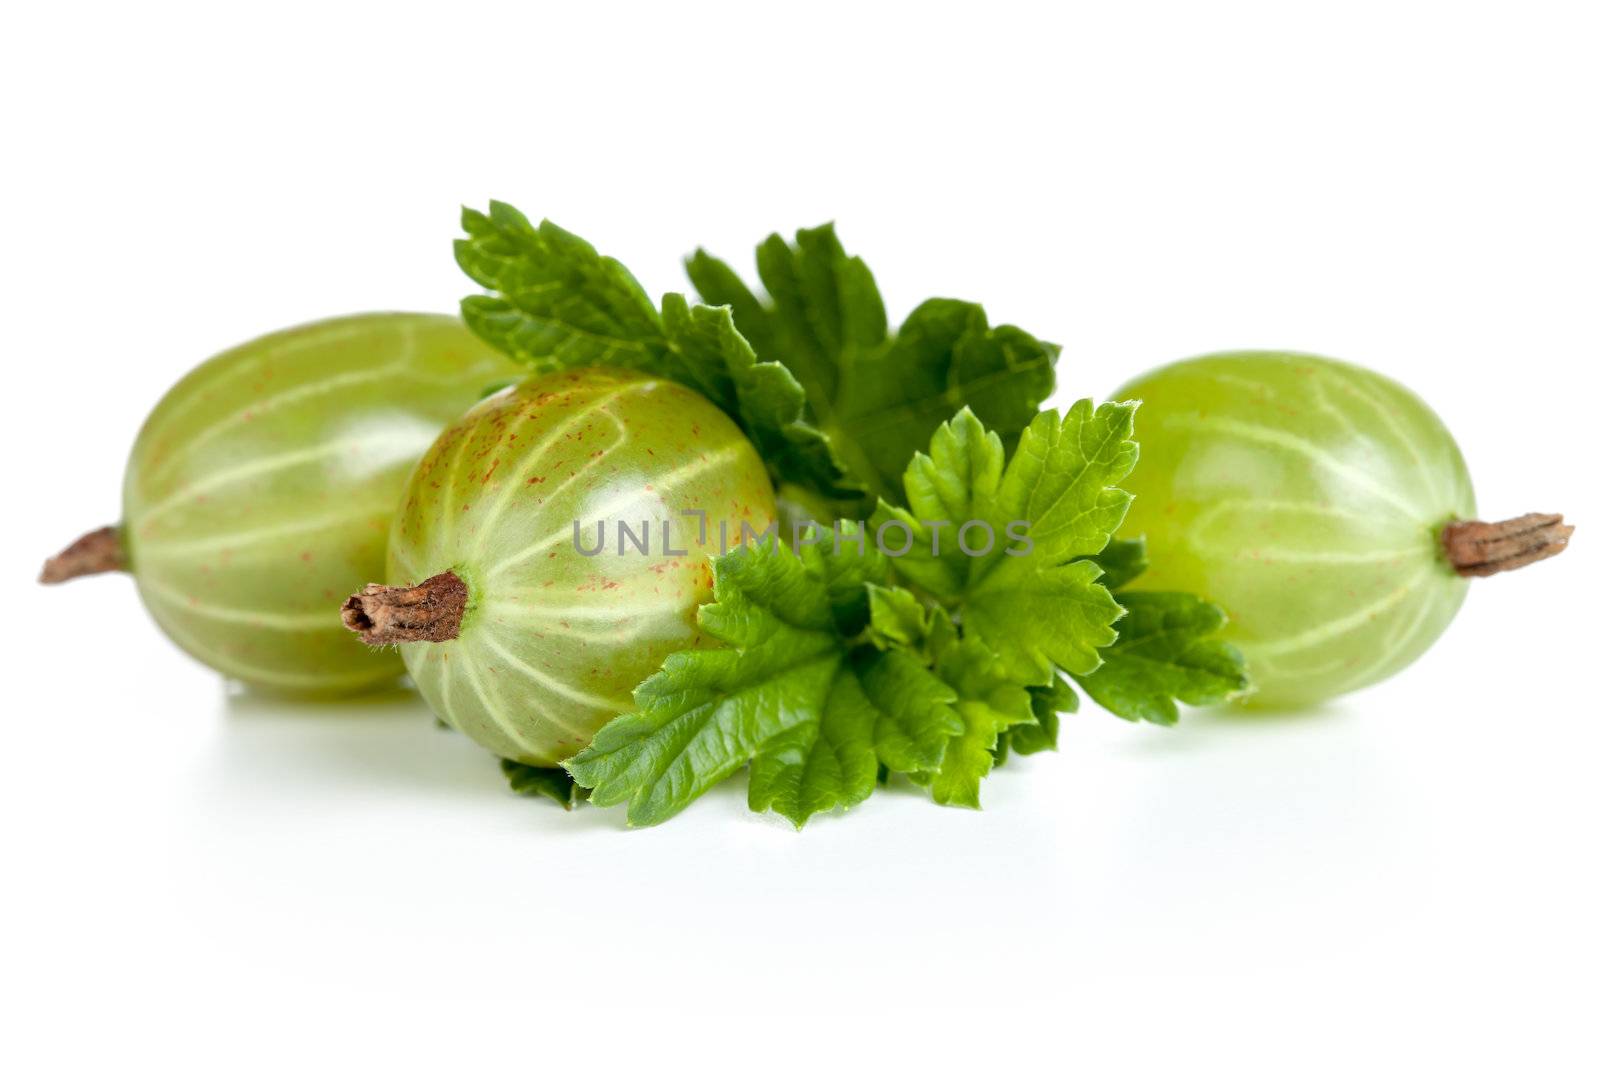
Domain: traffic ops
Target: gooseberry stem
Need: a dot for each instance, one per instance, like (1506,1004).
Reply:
(96,552)
(1479,549)
(398,614)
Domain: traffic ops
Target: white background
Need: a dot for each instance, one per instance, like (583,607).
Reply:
(1406,876)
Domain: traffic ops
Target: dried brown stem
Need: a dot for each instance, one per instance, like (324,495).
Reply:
(96,552)
(396,614)
(1479,549)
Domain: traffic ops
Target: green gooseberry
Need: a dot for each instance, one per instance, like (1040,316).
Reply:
(262,485)
(1324,506)
(552,549)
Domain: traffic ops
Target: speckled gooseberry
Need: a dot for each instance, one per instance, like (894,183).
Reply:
(526,613)
(1324,506)
(261,487)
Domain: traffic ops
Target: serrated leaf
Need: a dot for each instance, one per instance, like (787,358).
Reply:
(825,308)
(766,397)
(1042,618)
(1122,560)
(561,303)
(1049,703)
(898,617)
(552,782)
(953,484)
(1166,651)
(719,284)
(877,397)
(988,704)
(944,357)
(1032,597)
(1062,479)
(876,713)
(794,693)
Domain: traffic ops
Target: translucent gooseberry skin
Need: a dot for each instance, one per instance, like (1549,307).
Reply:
(553,642)
(1305,496)
(261,488)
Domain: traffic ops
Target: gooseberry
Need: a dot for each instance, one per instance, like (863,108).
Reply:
(1325,507)
(261,488)
(552,548)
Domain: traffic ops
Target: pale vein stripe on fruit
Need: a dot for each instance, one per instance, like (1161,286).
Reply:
(552,438)
(287,398)
(532,411)
(557,612)
(555,685)
(1203,546)
(255,535)
(1250,385)
(617,509)
(1326,403)
(397,445)
(493,711)
(1379,408)
(605,630)
(275,620)
(1267,435)
(447,502)
(1316,635)
(1222,507)
(544,710)
(441,666)
(576,477)
(1395,645)
(545,707)
(276,350)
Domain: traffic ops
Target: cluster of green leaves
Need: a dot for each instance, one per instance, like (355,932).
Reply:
(877,396)
(841,663)
(829,680)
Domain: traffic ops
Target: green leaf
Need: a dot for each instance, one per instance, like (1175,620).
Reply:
(945,357)
(552,782)
(797,692)
(825,306)
(1166,651)
(883,708)
(555,303)
(898,617)
(1043,619)
(1062,479)
(988,704)
(953,484)
(877,397)
(1049,703)
(1123,560)
(561,303)
(1021,582)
